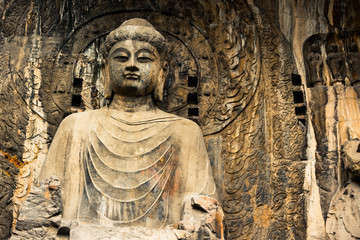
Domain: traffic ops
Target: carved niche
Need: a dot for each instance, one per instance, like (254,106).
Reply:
(213,72)
(331,62)
(231,71)
(332,59)
(214,65)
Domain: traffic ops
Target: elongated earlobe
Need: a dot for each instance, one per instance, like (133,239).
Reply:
(159,90)
(106,75)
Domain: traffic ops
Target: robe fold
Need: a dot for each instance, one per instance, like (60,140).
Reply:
(121,169)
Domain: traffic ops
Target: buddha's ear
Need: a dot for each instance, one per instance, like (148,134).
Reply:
(106,75)
(159,90)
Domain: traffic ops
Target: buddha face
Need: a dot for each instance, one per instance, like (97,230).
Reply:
(134,68)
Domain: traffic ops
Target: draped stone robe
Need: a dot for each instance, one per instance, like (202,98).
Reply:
(121,169)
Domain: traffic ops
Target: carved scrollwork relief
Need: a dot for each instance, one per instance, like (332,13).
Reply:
(214,66)
(264,173)
(210,84)
(229,70)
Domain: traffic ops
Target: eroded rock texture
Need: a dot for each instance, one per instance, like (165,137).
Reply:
(40,215)
(343,218)
(7,185)
(330,60)
(272,84)
(231,71)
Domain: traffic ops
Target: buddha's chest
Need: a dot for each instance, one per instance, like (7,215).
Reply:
(129,172)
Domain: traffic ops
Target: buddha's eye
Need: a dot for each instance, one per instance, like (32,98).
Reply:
(144,59)
(145,56)
(121,58)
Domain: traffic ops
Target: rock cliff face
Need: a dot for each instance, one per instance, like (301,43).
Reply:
(8,172)
(272,84)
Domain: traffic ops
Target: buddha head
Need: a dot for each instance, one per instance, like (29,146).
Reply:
(133,60)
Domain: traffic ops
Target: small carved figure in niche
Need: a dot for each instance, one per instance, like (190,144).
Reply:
(336,63)
(343,219)
(316,65)
(354,64)
(130,164)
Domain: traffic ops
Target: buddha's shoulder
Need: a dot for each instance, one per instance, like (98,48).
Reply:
(188,124)
(82,118)
(184,125)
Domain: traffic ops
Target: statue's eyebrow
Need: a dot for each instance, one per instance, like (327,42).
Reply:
(120,50)
(146,50)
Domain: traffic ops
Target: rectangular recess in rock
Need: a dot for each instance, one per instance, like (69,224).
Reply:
(192,81)
(192,98)
(76,100)
(193,112)
(298,97)
(78,83)
(300,111)
(296,79)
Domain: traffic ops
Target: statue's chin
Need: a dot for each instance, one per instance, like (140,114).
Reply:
(132,91)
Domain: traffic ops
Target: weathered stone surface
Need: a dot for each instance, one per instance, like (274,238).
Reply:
(129,164)
(332,59)
(7,184)
(335,114)
(40,218)
(215,80)
(273,144)
(40,214)
(343,219)
(211,225)
(88,232)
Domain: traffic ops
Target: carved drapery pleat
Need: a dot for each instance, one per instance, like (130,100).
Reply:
(128,166)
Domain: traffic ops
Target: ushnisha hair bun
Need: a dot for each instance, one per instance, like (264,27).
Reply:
(134,29)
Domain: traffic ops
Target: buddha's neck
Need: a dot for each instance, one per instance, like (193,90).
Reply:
(132,104)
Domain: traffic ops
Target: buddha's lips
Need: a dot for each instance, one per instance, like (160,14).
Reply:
(132,76)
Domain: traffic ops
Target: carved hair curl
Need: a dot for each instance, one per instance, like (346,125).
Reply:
(142,31)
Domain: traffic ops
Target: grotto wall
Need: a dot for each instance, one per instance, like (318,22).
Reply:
(247,72)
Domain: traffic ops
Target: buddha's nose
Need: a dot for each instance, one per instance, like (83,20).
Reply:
(131,65)
(132,68)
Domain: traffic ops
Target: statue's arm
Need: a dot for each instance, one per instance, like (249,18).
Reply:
(201,211)
(64,162)
(199,177)
(55,162)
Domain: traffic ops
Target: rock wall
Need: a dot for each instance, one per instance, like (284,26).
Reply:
(243,70)
(9,169)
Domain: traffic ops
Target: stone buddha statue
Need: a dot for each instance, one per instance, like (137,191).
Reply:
(129,164)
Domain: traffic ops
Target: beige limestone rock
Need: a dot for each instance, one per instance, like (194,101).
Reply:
(343,221)
(96,232)
(40,215)
(127,169)
(250,160)
(344,218)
